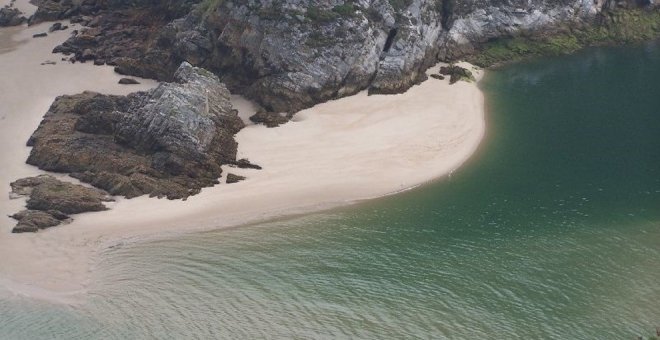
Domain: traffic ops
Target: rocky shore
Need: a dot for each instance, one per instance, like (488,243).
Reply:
(287,56)
(292,54)
(168,142)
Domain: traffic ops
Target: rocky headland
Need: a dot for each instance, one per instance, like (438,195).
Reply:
(291,54)
(286,55)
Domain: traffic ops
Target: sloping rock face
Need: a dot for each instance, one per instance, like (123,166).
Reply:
(51,201)
(291,54)
(168,142)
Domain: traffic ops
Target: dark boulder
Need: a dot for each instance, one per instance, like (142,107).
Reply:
(128,81)
(245,164)
(232,178)
(270,119)
(57,27)
(456,73)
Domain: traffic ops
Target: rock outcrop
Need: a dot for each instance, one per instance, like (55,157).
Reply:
(270,119)
(10,16)
(168,142)
(456,73)
(291,54)
(51,201)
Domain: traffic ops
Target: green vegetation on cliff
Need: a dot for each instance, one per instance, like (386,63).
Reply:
(615,27)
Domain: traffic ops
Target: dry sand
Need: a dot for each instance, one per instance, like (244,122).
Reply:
(333,154)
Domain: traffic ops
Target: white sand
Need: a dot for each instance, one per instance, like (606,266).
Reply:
(335,153)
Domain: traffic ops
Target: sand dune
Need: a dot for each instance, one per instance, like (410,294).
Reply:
(335,153)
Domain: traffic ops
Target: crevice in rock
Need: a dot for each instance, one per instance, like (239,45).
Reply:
(390,39)
(447,11)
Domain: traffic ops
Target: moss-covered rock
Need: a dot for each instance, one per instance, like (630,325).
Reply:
(611,27)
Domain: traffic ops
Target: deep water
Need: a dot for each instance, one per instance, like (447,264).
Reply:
(550,231)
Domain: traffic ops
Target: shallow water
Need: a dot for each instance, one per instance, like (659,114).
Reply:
(552,230)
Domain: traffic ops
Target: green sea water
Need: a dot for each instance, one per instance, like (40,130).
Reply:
(550,231)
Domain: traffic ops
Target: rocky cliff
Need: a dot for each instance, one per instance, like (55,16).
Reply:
(291,54)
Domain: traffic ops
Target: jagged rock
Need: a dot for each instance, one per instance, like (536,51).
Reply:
(170,141)
(438,76)
(231,178)
(270,119)
(128,81)
(245,164)
(10,16)
(456,73)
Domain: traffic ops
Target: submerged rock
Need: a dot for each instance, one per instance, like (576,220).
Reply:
(168,142)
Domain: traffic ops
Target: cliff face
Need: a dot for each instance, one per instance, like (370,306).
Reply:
(295,53)
(291,54)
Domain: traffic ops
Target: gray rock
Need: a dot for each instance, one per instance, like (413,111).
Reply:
(170,141)
(10,16)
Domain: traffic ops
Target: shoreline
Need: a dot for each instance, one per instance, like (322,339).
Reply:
(333,154)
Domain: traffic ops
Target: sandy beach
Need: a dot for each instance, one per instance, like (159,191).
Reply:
(333,154)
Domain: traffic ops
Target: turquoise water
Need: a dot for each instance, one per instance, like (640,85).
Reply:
(551,231)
